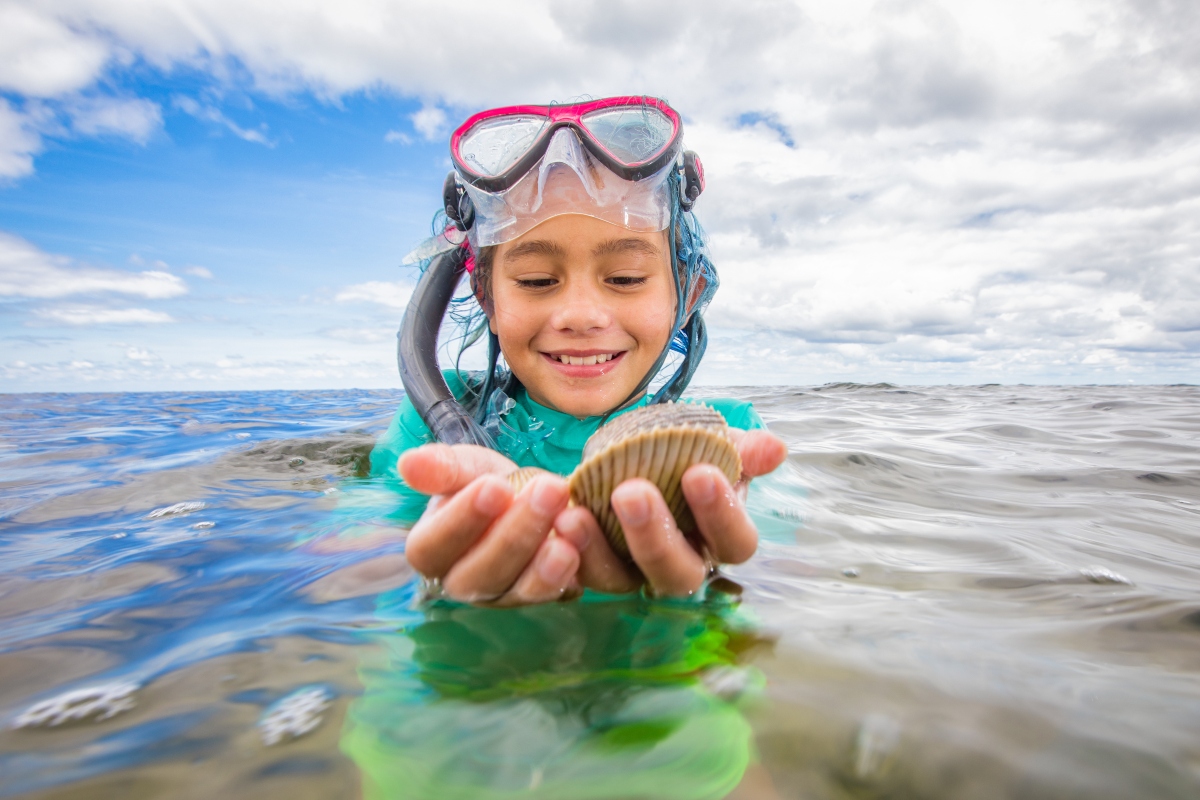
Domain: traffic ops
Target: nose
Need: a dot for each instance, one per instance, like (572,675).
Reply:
(581,310)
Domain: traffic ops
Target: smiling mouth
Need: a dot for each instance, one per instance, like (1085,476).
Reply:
(588,360)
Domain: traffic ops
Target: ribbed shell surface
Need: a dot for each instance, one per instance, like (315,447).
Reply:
(657,443)
(518,478)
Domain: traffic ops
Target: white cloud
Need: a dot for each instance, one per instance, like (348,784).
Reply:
(385,293)
(26,271)
(199,272)
(937,181)
(22,129)
(19,142)
(210,113)
(397,137)
(44,56)
(430,122)
(96,315)
(134,119)
(141,355)
(361,335)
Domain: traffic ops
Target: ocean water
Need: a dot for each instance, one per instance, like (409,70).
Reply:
(961,592)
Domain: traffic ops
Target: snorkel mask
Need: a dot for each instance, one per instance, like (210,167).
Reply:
(617,159)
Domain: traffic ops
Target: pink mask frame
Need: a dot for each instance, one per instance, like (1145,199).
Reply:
(567,116)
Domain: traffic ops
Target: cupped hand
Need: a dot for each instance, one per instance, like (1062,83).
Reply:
(668,562)
(484,543)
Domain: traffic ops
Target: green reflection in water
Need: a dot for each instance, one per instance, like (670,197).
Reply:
(601,698)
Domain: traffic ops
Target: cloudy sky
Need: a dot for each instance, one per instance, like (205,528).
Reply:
(214,194)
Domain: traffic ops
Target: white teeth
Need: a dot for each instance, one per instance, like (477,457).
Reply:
(578,361)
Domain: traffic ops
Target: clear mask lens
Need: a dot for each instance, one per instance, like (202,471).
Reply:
(632,134)
(567,180)
(493,146)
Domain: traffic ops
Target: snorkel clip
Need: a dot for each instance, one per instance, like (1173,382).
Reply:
(693,179)
(459,208)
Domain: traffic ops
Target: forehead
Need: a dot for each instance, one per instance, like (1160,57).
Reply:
(578,237)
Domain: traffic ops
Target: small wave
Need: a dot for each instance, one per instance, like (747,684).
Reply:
(178,509)
(296,715)
(96,703)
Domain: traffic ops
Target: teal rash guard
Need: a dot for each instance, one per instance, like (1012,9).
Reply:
(605,698)
(532,435)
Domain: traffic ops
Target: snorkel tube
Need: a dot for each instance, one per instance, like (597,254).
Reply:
(416,353)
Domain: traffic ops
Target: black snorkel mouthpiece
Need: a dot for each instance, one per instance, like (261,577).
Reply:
(416,353)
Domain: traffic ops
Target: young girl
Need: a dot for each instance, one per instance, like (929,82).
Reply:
(589,269)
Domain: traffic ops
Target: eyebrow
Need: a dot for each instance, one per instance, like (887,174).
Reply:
(537,247)
(626,245)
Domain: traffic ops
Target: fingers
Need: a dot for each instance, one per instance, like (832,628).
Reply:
(550,576)
(442,536)
(441,469)
(488,546)
(493,565)
(761,452)
(599,567)
(670,563)
(722,519)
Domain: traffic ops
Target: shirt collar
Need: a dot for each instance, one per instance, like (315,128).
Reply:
(567,432)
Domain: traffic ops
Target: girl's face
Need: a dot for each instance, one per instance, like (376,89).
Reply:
(582,308)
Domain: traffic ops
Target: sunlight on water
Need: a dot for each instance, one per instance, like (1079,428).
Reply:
(961,593)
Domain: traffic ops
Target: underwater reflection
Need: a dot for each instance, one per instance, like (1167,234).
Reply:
(605,697)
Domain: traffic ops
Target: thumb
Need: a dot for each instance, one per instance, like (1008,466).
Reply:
(442,469)
(761,452)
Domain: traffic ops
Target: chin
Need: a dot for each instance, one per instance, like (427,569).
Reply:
(584,405)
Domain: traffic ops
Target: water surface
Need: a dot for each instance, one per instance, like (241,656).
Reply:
(961,592)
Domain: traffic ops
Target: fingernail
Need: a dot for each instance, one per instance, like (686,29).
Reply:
(703,488)
(492,498)
(631,505)
(555,565)
(546,497)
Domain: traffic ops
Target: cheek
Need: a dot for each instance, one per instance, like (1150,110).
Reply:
(513,321)
(650,319)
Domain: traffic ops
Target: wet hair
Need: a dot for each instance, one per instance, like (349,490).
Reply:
(695,279)
(481,276)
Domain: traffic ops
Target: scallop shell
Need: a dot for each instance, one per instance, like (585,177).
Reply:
(520,477)
(659,443)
